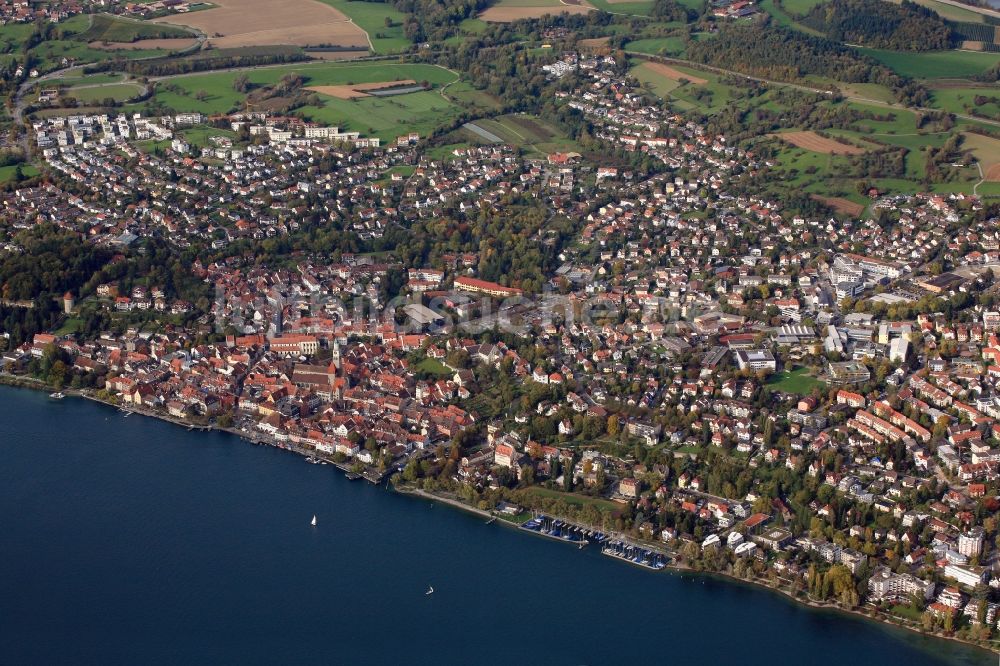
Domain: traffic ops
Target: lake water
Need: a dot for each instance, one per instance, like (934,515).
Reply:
(132,541)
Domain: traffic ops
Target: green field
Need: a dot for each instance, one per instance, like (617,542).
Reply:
(7,172)
(527,3)
(963,101)
(385,117)
(49,54)
(371,17)
(13,35)
(781,17)
(220,96)
(798,7)
(935,64)
(950,12)
(574,499)
(639,8)
(106,28)
(671,46)
(77,78)
(468,96)
(119,92)
(659,84)
(528,132)
(797,381)
(199,136)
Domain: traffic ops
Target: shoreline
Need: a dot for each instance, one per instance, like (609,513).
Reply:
(30,383)
(674,567)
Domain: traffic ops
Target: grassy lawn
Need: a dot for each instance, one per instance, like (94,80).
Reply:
(106,28)
(795,381)
(907,611)
(221,97)
(7,172)
(935,64)
(385,117)
(371,17)
(519,519)
(70,326)
(434,366)
(574,499)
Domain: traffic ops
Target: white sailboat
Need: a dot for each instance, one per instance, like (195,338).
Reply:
(313,523)
(430,590)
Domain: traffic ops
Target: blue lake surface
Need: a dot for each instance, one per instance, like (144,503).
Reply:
(132,541)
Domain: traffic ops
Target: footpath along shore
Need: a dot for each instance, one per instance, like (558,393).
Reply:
(20,381)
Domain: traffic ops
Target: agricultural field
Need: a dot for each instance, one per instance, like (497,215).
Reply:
(935,64)
(371,17)
(173,44)
(842,205)
(258,22)
(669,46)
(658,83)
(782,17)
(353,91)
(526,131)
(114,29)
(508,11)
(812,141)
(950,12)
(798,7)
(629,7)
(984,101)
(219,95)
(472,98)
(987,151)
(49,55)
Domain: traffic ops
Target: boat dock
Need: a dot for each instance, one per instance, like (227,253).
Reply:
(633,554)
(561,530)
